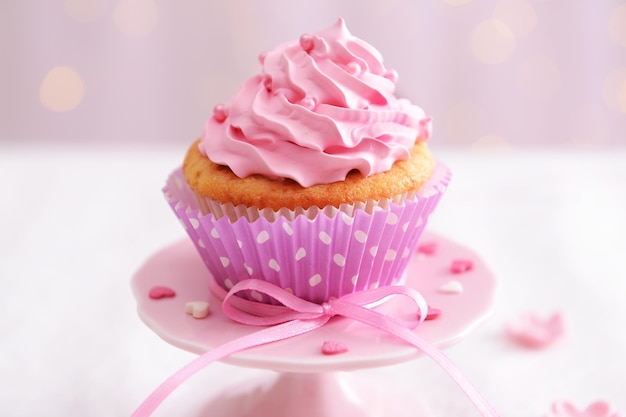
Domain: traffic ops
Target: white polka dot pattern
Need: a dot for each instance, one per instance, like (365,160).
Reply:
(319,258)
(301,253)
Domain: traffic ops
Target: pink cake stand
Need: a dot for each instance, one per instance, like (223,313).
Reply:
(309,383)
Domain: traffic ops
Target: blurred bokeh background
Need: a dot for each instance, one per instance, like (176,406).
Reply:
(492,73)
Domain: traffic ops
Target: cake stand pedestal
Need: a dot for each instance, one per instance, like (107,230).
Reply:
(309,383)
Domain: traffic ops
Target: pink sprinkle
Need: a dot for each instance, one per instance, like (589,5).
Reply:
(306,42)
(459,266)
(158,292)
(596,409)
(353,68)
(219,113)
(331,347)
(309,102)
(531,331)
(432,313)
(428,248)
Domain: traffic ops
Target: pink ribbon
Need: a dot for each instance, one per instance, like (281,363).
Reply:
(297,316)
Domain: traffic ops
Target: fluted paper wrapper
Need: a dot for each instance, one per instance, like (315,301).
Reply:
(317,253)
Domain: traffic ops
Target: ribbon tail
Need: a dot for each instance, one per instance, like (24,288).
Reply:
(481,403)
(383,322)
(261,337)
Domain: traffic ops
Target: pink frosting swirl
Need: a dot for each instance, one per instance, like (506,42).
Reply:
(324,105)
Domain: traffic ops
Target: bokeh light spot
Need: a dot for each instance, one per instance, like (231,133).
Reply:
(85,10)
(62,89)
(617,25)
(492,41)
(539,77)
(136,17)
(615,90)
(518,15)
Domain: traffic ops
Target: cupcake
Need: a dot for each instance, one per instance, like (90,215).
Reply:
(314,176)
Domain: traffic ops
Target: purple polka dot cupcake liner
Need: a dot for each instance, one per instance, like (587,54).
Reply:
(317,253)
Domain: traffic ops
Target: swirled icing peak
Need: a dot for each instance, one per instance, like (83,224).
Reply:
(323,105)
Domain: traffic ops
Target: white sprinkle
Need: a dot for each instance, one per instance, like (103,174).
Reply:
(452,287)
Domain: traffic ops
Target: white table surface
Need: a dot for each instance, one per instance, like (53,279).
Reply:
(75,225)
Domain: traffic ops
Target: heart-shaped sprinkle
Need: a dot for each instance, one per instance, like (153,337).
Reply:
(428,248)
(225,261)
(452,287)
(532,331)
(332,347)
(197,309)
(432,313)
(459,266)
(158,292)
(596,409)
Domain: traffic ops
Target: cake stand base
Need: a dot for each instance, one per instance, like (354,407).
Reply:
(325,394)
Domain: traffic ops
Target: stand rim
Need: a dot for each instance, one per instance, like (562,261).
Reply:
(462,312)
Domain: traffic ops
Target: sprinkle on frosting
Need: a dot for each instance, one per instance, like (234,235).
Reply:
(323,105)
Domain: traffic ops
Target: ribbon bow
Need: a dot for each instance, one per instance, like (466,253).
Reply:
(296,316)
